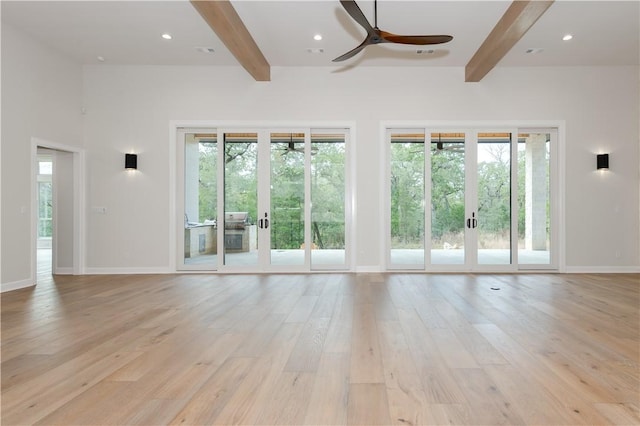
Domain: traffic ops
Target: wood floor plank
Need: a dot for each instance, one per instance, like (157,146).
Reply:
(618,414)
(207,403)
(306,354)
(329,349)
(338,337)
(487,402)
(247,402)
(330,394)
(366,361)
(368,404)
(288,401)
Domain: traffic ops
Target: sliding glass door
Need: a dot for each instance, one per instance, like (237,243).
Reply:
(266,199)
(464,200)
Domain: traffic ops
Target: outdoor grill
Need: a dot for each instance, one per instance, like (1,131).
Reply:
(236,232)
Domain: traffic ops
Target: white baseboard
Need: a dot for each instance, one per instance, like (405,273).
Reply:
(369,269)
(63,271)
(602,269)
(126,271)
(15,285)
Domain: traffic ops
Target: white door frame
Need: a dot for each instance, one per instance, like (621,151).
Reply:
(557,179)
(176,197)
(78,204)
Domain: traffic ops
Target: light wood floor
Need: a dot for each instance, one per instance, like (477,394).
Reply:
(402,349)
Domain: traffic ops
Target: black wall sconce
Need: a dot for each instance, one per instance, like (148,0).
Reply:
(131,161)
(602,161)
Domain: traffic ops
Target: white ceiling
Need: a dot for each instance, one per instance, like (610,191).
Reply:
(128,32)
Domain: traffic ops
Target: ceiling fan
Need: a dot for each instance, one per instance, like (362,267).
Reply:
(291,147)
(376,35)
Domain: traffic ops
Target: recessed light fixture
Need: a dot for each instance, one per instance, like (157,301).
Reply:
(317,37)
(167,36)
(206,49)
(100,58)
(567,37)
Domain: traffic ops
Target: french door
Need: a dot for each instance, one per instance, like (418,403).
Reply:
(469,199)
(263,199)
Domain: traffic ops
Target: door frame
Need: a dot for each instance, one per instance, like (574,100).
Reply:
(176,197)
(556,189)
(78,238)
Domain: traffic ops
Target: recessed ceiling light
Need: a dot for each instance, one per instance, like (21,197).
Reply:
(317,37)
(167,36)
(567,37)
(101,58)
(206,49)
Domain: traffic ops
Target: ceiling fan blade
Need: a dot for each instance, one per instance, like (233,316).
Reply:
(354,51)
(354,11)
(415,39)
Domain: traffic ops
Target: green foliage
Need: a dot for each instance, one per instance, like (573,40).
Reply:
(407,194)
(328,168)
(447,191)
(287,190)
(207,181)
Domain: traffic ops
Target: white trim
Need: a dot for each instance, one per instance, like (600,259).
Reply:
(602,269)
(173,163)
(368,269)
(351,185)
(224,126)
(16,285)
(560,214)
(129,271)
(79,211)
(63,271)
(557,190)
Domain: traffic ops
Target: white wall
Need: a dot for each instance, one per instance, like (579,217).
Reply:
(63,192)
(129,109)
(41,97)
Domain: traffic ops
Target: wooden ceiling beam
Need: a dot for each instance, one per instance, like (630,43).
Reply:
(515,22)
(225,22)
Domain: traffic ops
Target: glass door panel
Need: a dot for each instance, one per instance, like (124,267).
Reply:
(407,199)
(493,170)
(262,199)
(328,199)
(490,201)
(534,200)
(200,199)
(287,226)
(240,239)
(447,153)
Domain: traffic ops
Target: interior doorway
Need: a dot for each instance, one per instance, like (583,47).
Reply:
(44,202)
(57,213)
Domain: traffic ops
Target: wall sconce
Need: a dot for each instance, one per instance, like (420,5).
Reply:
(131,161)
(602,161)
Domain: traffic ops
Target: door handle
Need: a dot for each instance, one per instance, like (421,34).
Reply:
(260,224)
(472,222)
(264,223)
